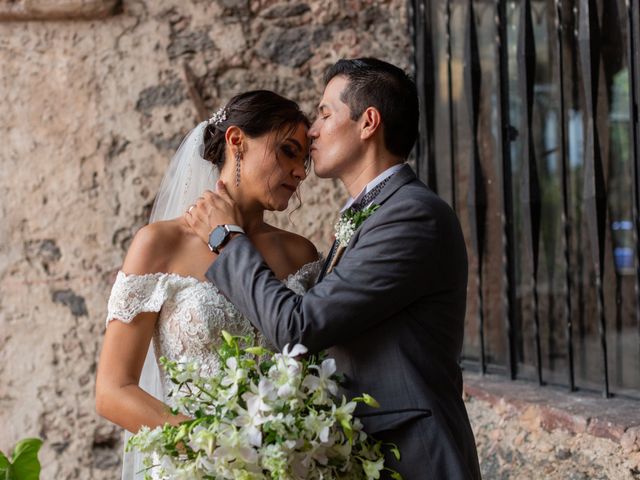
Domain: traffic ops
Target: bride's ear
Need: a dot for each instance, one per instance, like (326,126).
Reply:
(234,137)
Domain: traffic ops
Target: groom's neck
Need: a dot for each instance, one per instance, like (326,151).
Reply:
(365,170)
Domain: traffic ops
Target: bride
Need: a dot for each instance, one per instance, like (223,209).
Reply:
(161,301)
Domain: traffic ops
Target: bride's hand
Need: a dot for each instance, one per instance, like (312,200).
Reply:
(212,209)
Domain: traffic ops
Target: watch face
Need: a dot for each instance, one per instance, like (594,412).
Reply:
(217,236)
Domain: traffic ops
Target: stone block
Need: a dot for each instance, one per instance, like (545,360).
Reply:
(290,47)
(601,427)
(11,10)
(554,418)
(630,440)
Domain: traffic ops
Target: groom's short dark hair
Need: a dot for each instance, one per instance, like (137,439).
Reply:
(375,83)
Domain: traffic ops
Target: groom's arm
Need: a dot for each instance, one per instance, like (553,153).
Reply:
(395,261)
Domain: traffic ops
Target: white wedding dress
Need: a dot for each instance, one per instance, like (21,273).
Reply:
(193,314)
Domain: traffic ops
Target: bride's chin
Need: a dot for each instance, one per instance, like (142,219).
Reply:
(282,205)
(276,207)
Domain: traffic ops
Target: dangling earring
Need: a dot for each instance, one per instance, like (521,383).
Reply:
(238,158)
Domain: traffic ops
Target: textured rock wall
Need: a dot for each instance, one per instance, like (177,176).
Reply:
(56,9)
(91,112)
(514,444)
(525,431)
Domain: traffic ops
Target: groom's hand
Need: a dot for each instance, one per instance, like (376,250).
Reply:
(213,209)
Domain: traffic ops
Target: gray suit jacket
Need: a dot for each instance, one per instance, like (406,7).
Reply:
(391,313)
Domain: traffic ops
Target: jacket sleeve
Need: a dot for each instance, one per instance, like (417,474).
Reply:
(391,262)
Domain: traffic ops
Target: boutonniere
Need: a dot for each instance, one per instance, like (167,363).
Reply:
(349,222)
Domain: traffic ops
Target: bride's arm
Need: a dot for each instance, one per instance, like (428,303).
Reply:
(118,396)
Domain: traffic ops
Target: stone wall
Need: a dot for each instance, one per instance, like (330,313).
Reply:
(92,108)
(524,431)
(24,10)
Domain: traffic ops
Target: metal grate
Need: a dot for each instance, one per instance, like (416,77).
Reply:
(529,129)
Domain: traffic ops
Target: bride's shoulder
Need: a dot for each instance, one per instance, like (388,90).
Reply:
(152,246)
(299,250)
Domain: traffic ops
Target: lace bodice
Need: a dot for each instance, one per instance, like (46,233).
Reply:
(193,313)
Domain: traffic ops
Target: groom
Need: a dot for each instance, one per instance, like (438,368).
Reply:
(391,309)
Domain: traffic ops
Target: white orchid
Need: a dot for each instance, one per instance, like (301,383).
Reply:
(234,446)
(286,372)
(373,468)
(297,350)
(322,385)
(202,439)
(148,439)
(262,416)
(235,374)
(318,425)
(250,419)
(188,370)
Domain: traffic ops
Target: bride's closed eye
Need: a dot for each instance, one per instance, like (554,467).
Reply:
(293,150)
(289,151)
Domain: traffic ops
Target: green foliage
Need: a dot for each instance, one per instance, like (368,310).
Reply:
(359,216)
(24,463)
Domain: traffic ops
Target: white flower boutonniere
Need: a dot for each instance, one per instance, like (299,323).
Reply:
(349,222)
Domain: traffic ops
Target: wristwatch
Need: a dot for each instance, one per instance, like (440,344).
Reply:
(220,235)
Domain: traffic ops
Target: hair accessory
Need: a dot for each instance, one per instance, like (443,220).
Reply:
(218,117)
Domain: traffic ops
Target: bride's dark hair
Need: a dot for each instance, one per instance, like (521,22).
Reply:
(256,113)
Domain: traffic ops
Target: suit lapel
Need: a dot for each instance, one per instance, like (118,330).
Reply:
(402,177)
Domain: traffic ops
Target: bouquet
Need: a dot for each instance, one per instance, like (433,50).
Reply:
(264,415)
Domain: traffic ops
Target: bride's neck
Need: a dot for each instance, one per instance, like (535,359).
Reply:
(253,220)
(251,211)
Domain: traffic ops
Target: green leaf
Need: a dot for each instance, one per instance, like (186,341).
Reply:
(396,476)
(396,452)
(5,467)
(183,431)
(257,351)
(228,337)
(26,465)
(369,400)
(358,217)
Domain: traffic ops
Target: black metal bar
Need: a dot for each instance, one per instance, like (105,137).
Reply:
(428,83)
(477,196)
(505,175)
(452,155)
(579,284)
(412,26)
(413,22)
(619,346)
(594,195)
(633,54)
(566,225)
(424,73)
(531,201)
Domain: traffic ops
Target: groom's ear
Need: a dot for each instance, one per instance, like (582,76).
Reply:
(370,122)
